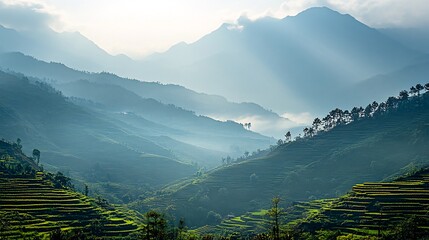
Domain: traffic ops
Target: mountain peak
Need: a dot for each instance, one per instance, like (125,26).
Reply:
(318,10)
(316,13)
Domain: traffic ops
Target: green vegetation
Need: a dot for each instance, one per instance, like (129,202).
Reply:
(87,145)
(36,204)
(378,209)
(374,210)
(388,139)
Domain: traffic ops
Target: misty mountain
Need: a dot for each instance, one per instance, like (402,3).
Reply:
(215,106)
(70,48)
(381,86)
(323,166)
(223,138)
(306,62)
(82,143)
(303,62)
(413,38)
(228,137)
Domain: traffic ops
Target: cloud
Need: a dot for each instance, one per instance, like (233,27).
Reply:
(22,15)
(301,119)
(375,13)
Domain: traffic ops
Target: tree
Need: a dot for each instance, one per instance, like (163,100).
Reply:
(316,123)
(413,90)
(181,228)
(96,227)
(288,136)
(355,113)
(36,155)
(374,106)
(403,95)
(419,87)
(213,218)
(228,160)
(275,213)
(86,190)
(57,234)
(368,110)
(18,143)
(392,102)
(155,226)
(305,132)
(408,229)
(246,154)
(427,86)
(311,132)
(62,181)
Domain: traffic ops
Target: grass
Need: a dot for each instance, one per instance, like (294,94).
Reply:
(31,207)
(377,206)
(325,166)
(252,223)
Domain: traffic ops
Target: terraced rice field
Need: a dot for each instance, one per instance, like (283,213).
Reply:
(253,223)
(34,207)
(379,206)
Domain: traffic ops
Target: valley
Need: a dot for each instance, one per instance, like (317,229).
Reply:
(306,122)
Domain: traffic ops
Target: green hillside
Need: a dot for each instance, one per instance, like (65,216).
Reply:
(374,208)
(35,204)
(185,126)
(258,222)
(86,144)
(389,140)
(387,210)
(200,103)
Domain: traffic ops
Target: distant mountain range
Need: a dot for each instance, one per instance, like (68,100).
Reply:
(101,141)
(302,63)
(305,63)
(63,77)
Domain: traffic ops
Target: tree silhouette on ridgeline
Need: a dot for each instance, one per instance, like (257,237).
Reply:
(339,117)
(288,137)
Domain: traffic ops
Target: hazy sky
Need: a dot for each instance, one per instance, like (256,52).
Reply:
(140,27)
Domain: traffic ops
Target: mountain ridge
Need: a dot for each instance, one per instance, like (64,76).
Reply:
(323,166)
(209,105)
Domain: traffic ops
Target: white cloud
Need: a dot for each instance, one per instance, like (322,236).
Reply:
(27,15)
(301,119)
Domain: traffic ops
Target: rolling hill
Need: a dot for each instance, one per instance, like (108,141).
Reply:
(323,166)
(85,144)
(34,204)
(389,210)
(213,106)
(373,208)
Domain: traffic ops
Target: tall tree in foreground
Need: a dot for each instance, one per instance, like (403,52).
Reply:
(155,226)
(275,213)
